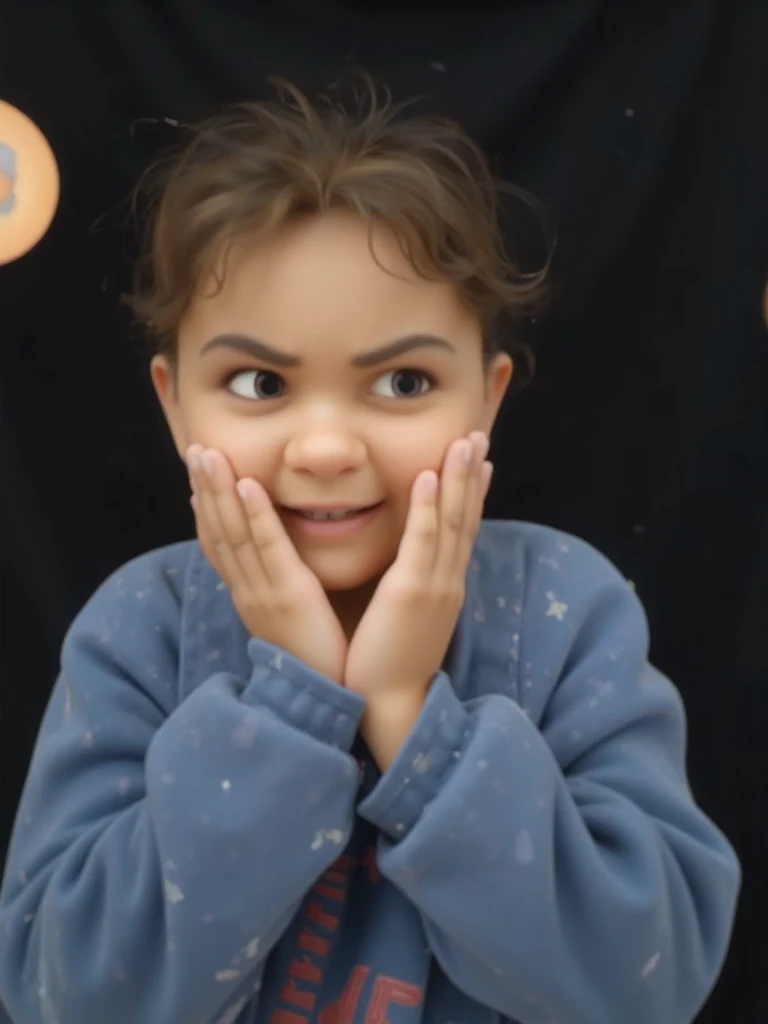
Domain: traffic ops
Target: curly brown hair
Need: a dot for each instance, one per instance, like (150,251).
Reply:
(252,166)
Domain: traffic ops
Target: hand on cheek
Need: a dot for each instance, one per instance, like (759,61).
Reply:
(403,636)
(278,598)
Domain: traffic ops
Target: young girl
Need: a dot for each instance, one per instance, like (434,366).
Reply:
(355,757)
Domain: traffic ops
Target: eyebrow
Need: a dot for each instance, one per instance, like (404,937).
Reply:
(265,353)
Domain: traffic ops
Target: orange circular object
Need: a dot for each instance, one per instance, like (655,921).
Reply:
(29,184)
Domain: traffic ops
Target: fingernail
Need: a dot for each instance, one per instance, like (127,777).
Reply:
(249,493)
(193,459)
(430,482)
(467,451)
(208,464)
(487,474)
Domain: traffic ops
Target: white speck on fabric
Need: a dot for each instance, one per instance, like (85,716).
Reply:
(551,562)
(556,609)
(330,835)
(226,785)
(67,702)
(173,893)
(650,965)
(244,733)
(525,852)
(229,974)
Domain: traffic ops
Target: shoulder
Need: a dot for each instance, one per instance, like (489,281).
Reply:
(558,598)
(145,596)
(534,554)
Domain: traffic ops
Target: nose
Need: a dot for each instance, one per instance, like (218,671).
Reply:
(325,450)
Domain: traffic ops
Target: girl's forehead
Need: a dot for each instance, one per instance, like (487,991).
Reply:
(331,278)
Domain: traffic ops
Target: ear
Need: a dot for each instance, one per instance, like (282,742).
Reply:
(165,385)
(497,378)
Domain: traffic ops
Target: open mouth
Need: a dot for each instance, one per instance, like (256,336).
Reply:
(334,523)
(334,516)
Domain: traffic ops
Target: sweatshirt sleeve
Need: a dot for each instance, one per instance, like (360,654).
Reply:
(160,851)
(552,845)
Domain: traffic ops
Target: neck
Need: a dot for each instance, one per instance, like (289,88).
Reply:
(350,605)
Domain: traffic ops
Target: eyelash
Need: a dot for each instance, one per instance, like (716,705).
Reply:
(425,374)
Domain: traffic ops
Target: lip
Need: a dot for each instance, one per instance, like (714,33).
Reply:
(328,508)
(331,529)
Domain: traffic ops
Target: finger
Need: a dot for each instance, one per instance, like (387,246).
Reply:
(456,480)
(214,487)
(418,547)
(486,473)
(477,489)
(198,483)
(458,554)
(236,524)
(278,556)
(203,534)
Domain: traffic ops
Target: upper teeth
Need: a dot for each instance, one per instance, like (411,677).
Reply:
(329,515)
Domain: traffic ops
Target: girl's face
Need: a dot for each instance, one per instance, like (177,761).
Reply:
(331,379)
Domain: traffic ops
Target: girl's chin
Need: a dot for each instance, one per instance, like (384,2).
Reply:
(338,574)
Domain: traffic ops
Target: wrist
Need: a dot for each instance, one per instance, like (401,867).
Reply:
(388,721)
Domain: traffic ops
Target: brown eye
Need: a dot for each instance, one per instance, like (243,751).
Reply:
(403,384)
(258,385)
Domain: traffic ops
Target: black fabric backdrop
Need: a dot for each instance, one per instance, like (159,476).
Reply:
(641,126)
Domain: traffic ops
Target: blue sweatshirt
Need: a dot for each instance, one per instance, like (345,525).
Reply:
(202,838)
